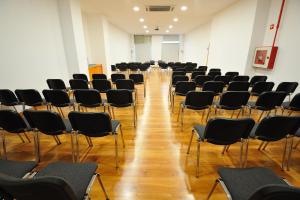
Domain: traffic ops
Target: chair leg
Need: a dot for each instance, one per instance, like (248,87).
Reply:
(77,156)
(4,155)
(207,117)
(102,187)
(134,116)
(213,189)
(232,114)
(227,149)
(26,136)
(261,144)
(284,153)
(37,146)
(189,147)
(173,101)
(224,149)
(56,139)
(182,117)
(88,139)
(265,146)
(241,153)
(290,154)
(15,108)
(122,136)
(295,147)
(144,90)
(179,112)
(116,150)
(261,115)
(246,154)
(239,113)
(198,159)
(21,138)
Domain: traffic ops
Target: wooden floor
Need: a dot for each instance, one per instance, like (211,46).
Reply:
(154,163)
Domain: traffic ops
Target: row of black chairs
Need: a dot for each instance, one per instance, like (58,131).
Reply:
(132,67)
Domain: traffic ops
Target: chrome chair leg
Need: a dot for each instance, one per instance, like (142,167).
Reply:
(179,112)
(4,155)
(241,153)
(102,186)
(261,115)
(213,189)
(26,136)
(21,138)
(122,136)
(37,146)
(295,147)
(246,154)
(290,154)
(198,159)
(261,144)
(73,149)
(265,146)
(182,117)
(189,147)
(116,150)
(224,148)
(284,153)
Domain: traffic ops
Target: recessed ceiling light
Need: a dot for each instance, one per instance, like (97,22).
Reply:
(170,26)
(145,26)
(142,20)
(183,8)
(167,31)
(147,31)
(136,8)
(175,19)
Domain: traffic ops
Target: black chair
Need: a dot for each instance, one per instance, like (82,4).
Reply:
(122,67)
(196,101)
(238,86)
(178,73)
(173,82)
(127,84)
(200,80)
(233,100)
(81,77)
(8,98)
(88,99)
(266,102)
(196,73)
(202,68)
(16,169)
(181,89)
(292,106)
(138,79)
(241,78)
(231,74)
(260,87)
(101,85)
(288,87)
(213,74)
(119,98)
(57,180)
(254,184)
(49,123)
(113,68)
(99,76)
(30,97)
(12,122)
(91,124)
(225,79)
(214,70)
(56,84)
(221,131)
(77,84)
(58,98)
(115,77)
(178,69)
(256,79)
(214,86)
(272,129)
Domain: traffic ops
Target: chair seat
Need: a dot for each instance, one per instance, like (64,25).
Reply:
(193,107)
(72,102)
(286,105)
(297,133)
(77,175)
(252,105)
(200,131)
(217,104)
(242,183)
(115,125)
(16,169)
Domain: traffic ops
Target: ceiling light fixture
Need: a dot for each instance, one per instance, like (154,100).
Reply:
(183,8)
(136,8)
(145,26)
(175,19)
(170,26)
(167,31)
(147,31)
(142,20)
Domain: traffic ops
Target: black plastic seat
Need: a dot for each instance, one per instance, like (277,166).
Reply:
(238,86)
(101,85)
(201,79)
(260,87)
(81,77)
(196,73)
(287,87)
(8,98)
(138,79)
(202,68)
(214,70)
(30,97)
(225,79)
(99,76)
(221,131)
(231,74)
(56,84)
(241,78)
(58,180)
(113,68)
(181,89)
(214,86)
(76,84)
(257,78)
(17,169)
(254,184)
(115,77)
(48,123)
(93,124)
(292,106)
(90,98)
(178,73)
(213,74)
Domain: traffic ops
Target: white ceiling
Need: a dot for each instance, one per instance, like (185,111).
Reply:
(121,14)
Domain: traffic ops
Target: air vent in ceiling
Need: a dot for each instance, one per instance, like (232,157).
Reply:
(159,8)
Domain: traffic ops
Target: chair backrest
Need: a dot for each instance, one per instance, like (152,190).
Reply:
(214,70)
(93,124)
(225,79)
(119,98)
(80,76)
(269,100)
(178,73)
(99,76)
(234,99)
(214,86)
(232,74)
(277,127)
(101,85)
(113,68)
(46,188)
(88,98)
(137,78)
(115,77)
(257,78)
(144,66)
(262,86)
(201,79)
(197,73)
(12,122)
(202,68)
(295,103)
(30,97)
(214,73)
(8,98)
(288,87)
(178,78)
(47,122)
(199,100)
(223,131)
(57,98)
(56,84)
(241,78)
(78,84)
(183,87)
(238,86)
(127,84)
(122,66)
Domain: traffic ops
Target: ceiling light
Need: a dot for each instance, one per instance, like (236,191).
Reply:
(142,20)
(136,8)
(170,26)
(145,26)
(175,19)
(147,31)
(167,31)
(183,8)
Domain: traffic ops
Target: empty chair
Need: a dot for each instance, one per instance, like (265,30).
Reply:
(267,101)
(126,84)
(181,89)
(138,79)
(231,74)
(115,77)
(178,73)
(88,99)
(221,131)
(202,68)
(121,98)
(201,79)
(133,67)
(272,129)
(288,87)
(80,76)
(214,86)
(8,98)
(292,106)
(94,125)
(30,97)
(174,80)
(16,169)
(233,100)
(49,123)
(101,85)
(56,84)
(196,101)
(214,73)
(178,69)
(260,87)
(113,68)
(254,184)
(256,79)
(99,76)
(12,122)
(225,79)
(122,67)
(57,180)
(144,67)
(238,86)
(197,73)
(77,84)
(214,70)
(241,78)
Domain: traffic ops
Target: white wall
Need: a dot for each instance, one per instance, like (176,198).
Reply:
(156,47)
